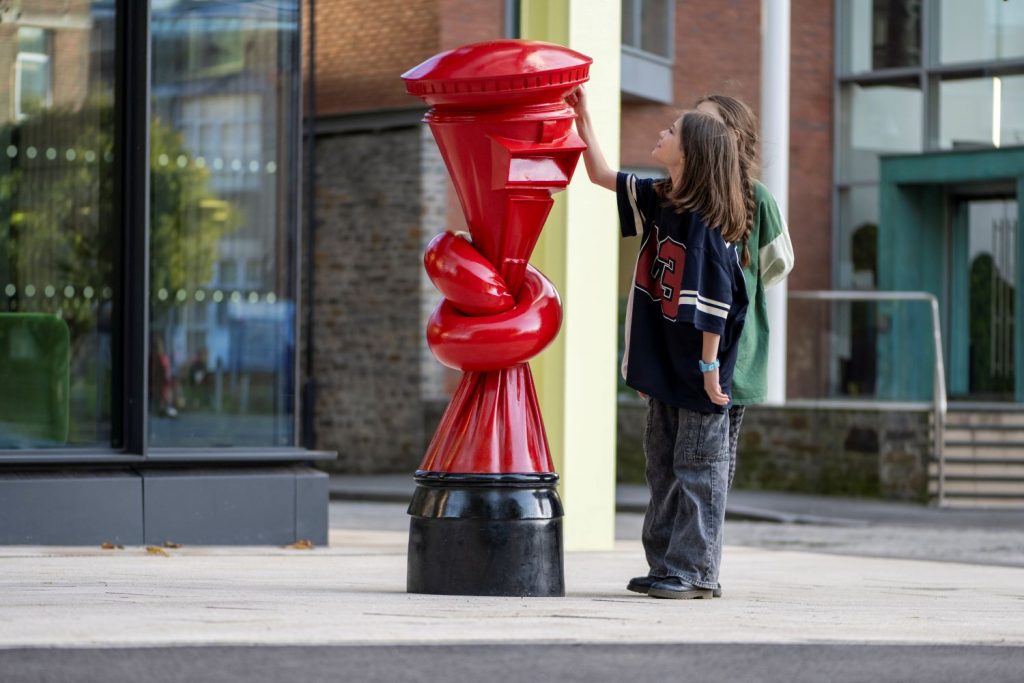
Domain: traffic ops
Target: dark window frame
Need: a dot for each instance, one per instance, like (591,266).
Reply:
(130,348)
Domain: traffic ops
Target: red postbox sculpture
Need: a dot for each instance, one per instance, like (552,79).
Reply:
(485,518)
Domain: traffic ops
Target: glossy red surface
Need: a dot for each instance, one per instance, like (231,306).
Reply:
(498,72)
(493,342)
(468,280)
(505,133)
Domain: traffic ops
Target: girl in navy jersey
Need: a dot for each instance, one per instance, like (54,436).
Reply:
(683,321)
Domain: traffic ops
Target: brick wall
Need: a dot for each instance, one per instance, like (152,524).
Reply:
(437,382)
(362,49)
(810,143)
(367,302)
(463,22)
(810,187)
(717,49)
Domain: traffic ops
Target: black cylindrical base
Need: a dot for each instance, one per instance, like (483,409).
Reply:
(474,534)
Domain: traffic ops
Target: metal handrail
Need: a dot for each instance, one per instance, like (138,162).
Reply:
(939,389)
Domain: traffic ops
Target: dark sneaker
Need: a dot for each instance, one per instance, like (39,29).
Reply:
(642,584)
(717,592)
(675,588)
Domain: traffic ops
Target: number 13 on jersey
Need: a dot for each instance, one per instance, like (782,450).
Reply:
(659,271)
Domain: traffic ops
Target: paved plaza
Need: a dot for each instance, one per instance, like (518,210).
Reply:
(814,591)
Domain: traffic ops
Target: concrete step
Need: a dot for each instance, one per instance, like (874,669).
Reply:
(985,433)
(979,470)
(980,502)
(985,418)
(987,488)
(966,449)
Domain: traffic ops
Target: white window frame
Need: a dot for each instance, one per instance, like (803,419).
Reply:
(35,58)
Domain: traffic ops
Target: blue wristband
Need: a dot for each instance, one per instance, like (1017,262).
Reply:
(708,367)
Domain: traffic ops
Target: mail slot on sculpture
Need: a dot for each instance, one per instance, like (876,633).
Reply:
(486,518)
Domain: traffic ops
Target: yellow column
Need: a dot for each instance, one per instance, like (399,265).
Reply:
(578,250)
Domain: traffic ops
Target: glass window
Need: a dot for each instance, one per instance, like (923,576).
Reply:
(877,119)
(858,229)
(228,272)
(59,267)
(655,30)
(882,34)
(254,272)
(224,84)
(965,112)
(646,26)
(33,87)
(981,112)
(985,30)
(1011,111)
(629,24)
(991,283)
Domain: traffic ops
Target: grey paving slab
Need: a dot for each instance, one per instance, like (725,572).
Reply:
(352,593)
(768,506)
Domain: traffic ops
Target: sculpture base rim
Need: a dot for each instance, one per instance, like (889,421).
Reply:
(486,534)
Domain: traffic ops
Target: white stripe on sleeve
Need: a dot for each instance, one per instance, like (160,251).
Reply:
(777,258)
(710,310)
(637,216)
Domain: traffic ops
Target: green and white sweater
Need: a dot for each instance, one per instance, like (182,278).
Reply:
(771,260)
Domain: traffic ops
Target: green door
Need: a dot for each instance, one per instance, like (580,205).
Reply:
(983,283)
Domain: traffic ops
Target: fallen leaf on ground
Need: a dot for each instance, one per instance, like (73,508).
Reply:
(171,544)
(111,546)
(153,550)
(301,544)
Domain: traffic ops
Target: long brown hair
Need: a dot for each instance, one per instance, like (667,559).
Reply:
(711,184)
(740,118)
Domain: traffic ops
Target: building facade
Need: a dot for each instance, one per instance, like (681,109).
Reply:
(671,54)
(182,321)
(149,176)
(904,116)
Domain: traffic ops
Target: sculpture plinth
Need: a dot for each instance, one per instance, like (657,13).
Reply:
(486,519)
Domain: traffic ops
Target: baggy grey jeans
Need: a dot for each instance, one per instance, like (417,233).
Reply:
(735,420)
(688,474)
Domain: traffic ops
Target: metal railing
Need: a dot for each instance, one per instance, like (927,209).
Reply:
(939,403)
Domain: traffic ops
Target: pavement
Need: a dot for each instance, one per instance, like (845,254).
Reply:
(757,506)
(873,597)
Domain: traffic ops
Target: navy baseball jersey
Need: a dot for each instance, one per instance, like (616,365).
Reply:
(687,280)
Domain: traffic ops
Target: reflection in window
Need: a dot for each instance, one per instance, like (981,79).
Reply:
(981,112)
(646,26)
(980,31)
(858,223)
(223,105)
(58,241)
(33,88)
(882,119)
(965,112)
(1011,111)
(882,34)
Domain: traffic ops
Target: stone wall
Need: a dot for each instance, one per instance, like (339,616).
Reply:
(370,213)
(841,452)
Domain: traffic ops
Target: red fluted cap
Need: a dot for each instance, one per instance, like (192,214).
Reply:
(498,71)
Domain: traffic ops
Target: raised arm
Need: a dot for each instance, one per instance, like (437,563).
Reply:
(598,170)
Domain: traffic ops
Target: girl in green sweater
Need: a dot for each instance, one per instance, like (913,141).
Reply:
(771,259)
